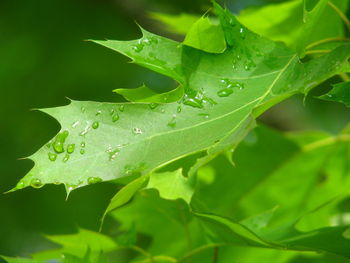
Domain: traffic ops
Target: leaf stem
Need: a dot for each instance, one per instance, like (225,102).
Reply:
(317,51)
(216,255)
(159,258)
(200,249)
(341,14)
(327,141)
(344,77)
(328,40)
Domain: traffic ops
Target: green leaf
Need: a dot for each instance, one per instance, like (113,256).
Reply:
(320,22)
(171,231)
(279,22)
(303,176)
(79,245)
(172,185)
(106,141)
(145,94)
(203,35)
(126,193)
(178,24)
(331,239)
(339,93)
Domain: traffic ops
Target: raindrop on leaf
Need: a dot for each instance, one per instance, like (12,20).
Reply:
(94,180)
(137,131)
(115,117)
(52,156)
(58,144)
(95,125)
(36,183)
(70,148)
(225,92)
(20,185)
(66,158)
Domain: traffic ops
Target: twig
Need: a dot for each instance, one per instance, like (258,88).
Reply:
(317,51)
(216,255)
(341,14)
(327,40)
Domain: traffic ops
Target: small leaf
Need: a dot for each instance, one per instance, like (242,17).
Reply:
(339,93)
(78,245)
(203,35)
(126,193)
(177,24)
(172,185)
(145,94)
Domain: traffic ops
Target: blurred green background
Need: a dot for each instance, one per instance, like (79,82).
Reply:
(44,59)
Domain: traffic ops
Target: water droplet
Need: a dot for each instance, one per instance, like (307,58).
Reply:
(115,117)
(36,183)
(232,84)
(85,131)
(70,148)
(179,109)
(94,180)
(52,156)
(225,92)
(98,112)
(121,108)
(162,111)
(234,64)
(48,145)
(113,154)
(146,41)
(70,187)
(137,131)
(20,185)
(82,109)
(154,40)
(112,112)
(172,122)
(193,101)
(75,124)
(66,158)
(205,115)
(58,144)
(82,151)
(242,32)
(232,21)
(249,65)
(138,47)
(82,144)
(95,125)
(153,106)
(129,169)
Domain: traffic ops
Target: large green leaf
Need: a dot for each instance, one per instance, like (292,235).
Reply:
(339,93)
(206,36)
(104,141)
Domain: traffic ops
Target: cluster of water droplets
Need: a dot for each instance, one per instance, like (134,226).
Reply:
(141,43)
(229,87)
